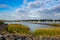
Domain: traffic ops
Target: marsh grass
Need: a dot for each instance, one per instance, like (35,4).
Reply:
(18,28)
(55,25)
(47,32)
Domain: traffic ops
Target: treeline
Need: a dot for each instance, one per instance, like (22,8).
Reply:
(28,20)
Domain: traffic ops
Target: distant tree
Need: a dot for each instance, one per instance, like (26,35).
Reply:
(1,22)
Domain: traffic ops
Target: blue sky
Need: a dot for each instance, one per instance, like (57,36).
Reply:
(29,9)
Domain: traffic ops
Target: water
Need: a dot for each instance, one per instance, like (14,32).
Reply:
(30,25)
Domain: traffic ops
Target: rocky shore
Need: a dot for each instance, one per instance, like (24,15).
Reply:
(15,37)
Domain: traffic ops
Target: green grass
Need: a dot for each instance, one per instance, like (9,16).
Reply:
(47,32)
(19,28)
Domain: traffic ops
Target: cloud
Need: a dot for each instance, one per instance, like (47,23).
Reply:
(25,1)
(4,6)
(11,16)
(40,9)
(57,14)
(56,9)
(21,10)
(37,9)
(35,4)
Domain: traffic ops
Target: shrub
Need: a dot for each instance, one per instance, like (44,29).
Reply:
(1,22)
(19,28)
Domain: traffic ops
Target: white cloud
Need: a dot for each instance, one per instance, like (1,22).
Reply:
(11,16)
(57,14)
(38,9)
(35,4)
(4,6)
(25,1)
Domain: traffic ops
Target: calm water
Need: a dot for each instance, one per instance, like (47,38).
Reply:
(30,25)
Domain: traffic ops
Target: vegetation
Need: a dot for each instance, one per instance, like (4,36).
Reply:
(47,32)
(22,29)
(1,22)
(55,25)
(19,28)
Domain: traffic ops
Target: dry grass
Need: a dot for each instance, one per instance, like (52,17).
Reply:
(47,31)
(18,29)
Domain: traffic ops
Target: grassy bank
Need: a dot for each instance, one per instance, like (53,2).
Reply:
(47,32)
(18,28)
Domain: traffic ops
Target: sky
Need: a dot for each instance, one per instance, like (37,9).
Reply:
(29,9)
